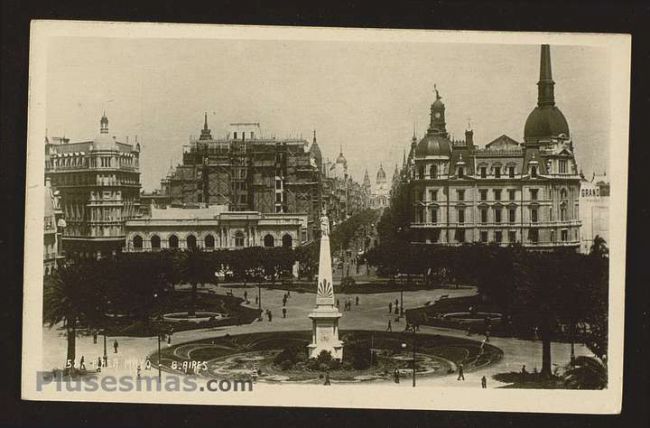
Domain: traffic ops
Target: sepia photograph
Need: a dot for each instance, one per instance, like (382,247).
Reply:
(356,218)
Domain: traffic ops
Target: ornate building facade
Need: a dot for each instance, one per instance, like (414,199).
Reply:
(506,192)
(98,182)
(381,193)
(214,227)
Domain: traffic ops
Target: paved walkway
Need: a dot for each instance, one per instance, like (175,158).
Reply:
(371,314)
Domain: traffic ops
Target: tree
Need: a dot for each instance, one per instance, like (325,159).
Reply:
(195,268)
(70,296)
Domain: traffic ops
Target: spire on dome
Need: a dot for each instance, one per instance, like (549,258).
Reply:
(545,90)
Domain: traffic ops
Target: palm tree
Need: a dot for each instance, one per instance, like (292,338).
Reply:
(70,296)
(599,247)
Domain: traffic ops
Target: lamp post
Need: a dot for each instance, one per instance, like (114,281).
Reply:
(413,352)
(158,328)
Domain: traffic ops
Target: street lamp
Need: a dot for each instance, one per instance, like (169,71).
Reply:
(158,328)
(413,351)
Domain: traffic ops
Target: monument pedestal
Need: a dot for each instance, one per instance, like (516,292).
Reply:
(325,332)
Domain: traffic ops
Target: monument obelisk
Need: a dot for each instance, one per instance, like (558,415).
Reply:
(325,316)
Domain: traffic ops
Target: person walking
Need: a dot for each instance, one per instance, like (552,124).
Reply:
(483,382)
(115,346)
(390,326)
(94,338)
(284,312)
(82,365)
(245,296)
(396,375)
(461,374)
(357,301)
(390,307)
(99,362)
(269,314)
(487,335)
(327,378)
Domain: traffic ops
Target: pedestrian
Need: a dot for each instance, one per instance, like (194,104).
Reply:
(284,312)
(461,374)
(99,362)
(483,346)
(169,339)
(487,335)
(337,303)
(115,346)
(390,307)
(357,301)
(396,302)
(82,365)
(246,296)
(390,326)
(523,370)
(95,338)
(483,382)
(269,314)
(288,293)
(327,377)
(396,375)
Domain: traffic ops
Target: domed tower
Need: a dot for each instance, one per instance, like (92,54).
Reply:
(437,124)
(341,165)
(381,175)
(546,121)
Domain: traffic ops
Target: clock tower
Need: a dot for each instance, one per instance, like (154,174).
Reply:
(437,124)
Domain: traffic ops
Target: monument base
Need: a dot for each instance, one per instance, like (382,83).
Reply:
(325,332)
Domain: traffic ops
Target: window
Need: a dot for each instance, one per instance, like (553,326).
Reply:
(461,172)
(278,197)
(209,241)
(242,199)
(483,171)
(533,172)
(512,215)
(433,171)
(497,215)
(497,194)
(512,236)
(234,135)
(533,194)
(173,241)
(563,211)
(460,235)
(533,215)
(498,236)
(562,164)
(239,239)
(533,236)
(191,242)
(484,236)
(433,194)
(497,172)
(461,215)
(278,183)
(434,215)
(511,171)
(461,195)
(421,172)
(287,241)
(137,242)
(512,194)
(565,235)
(484,215)
(269,241)
(483,193)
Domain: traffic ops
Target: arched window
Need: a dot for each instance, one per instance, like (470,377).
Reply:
(433,172)
(269,241)
(191,242)
(209,241)
(173,241)
(155,242)
(287,241)
(564,203)
(421,172)
(137,242)
(239,239)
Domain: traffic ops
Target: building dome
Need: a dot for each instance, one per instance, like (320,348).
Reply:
(103,140)
(340,159)
(433,145)
(545,122)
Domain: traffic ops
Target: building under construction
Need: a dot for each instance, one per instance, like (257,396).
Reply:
(247,172)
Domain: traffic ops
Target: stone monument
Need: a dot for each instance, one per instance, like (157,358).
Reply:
(325,316)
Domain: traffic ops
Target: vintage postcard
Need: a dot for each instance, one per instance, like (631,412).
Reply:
(356,218)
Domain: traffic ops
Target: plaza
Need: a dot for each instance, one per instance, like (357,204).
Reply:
(370,314)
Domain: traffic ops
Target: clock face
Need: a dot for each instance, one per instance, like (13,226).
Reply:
(437,115)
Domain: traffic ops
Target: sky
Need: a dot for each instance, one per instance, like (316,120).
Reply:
(368,97)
